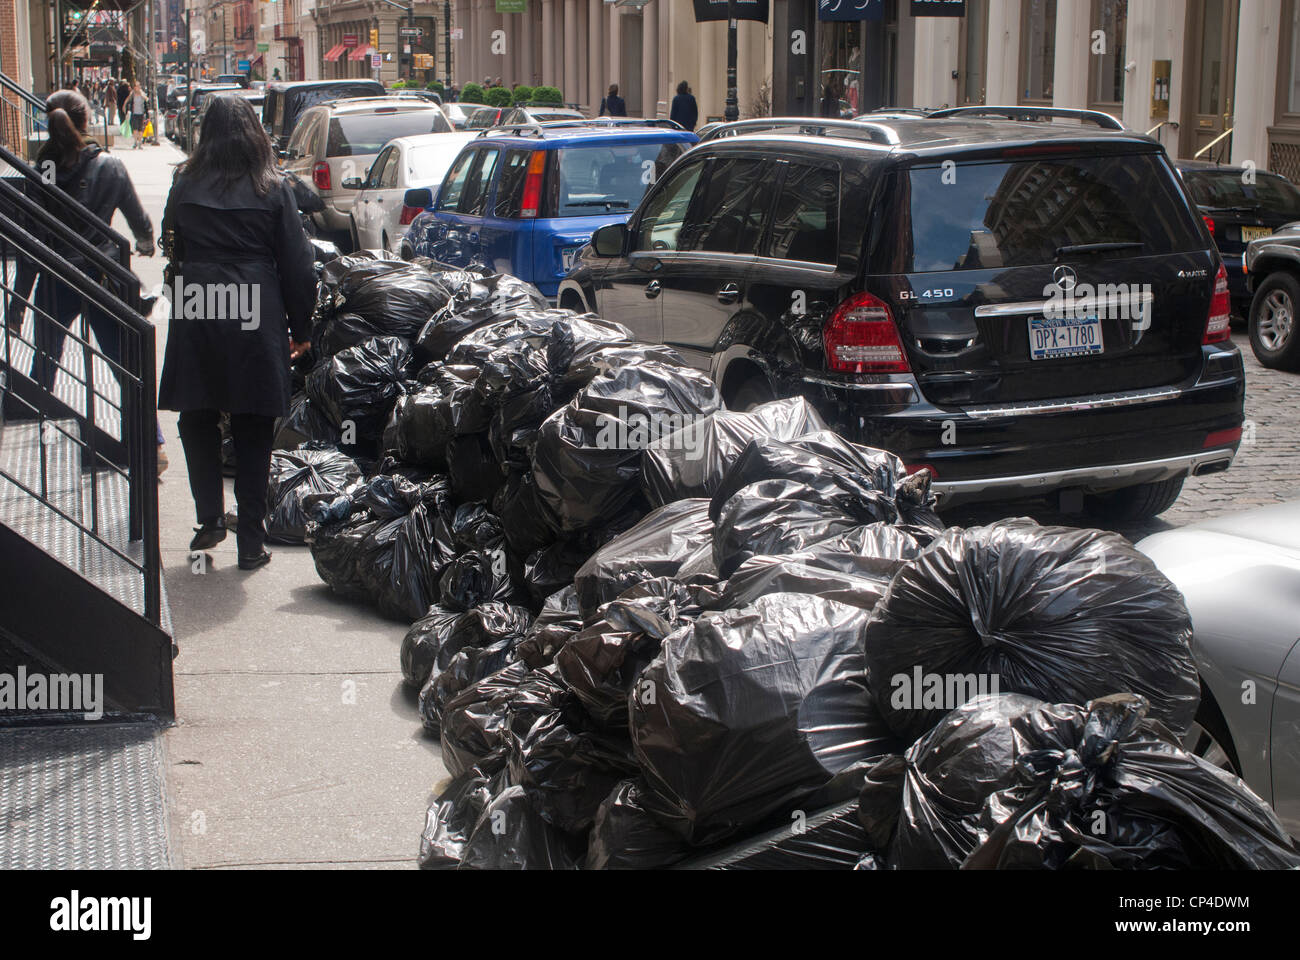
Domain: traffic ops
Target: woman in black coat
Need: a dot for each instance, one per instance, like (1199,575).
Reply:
(242,290)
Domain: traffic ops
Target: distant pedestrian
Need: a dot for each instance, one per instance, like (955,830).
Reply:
(613,105)
(123,92)
(139,105)
(830,105)
(275,74)
(685,111)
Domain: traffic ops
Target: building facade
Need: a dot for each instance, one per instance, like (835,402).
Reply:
(351,33)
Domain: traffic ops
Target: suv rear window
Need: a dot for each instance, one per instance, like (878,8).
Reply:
(361,133)
(599,179)
(1019,213)
(1225,190)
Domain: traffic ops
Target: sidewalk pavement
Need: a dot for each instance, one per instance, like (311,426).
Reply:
(297,744)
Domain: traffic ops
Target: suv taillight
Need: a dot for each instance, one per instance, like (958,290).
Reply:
(531,203)
(860,337)
(408,214)
(320,175)
(1218,323)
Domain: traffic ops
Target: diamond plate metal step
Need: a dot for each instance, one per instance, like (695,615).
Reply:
(83,797)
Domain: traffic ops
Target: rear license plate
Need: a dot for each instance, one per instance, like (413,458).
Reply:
(567,256)
(1053,337)
(1254,233)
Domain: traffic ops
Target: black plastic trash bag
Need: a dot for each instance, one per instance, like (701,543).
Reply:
(558,620)
(569,771)
(1012,782)
(451,819)
(587,364)
(475,577)
(457,667)
(831,839)
(1057,613)
(336,550)
(840,568)
(395,303)
(523,514)
(360,385)
(304,423)
(412,434)
(747,713)
(422,642)
(472,468)
(587,458)
(473,305)
(475,722)
(403,559)
(299,477)
(512,834)
(553,567)
(673,541)
(693,461)
(625,837)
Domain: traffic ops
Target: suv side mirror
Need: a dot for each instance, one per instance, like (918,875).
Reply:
(351,183)
(420,197)
(609,240)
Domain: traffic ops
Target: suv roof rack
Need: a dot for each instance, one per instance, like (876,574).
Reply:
(809,126)
(539,129)
(1103,120)
(414,98)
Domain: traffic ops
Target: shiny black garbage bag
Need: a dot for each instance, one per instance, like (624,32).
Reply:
(624,836)
(360,385)
(457,667)
(587,457)
(1058,613)
(297,477)
(831,839)
(475,722)
(675,540)
(395,303)
(1011,782)
(304,423)
(422,642)
(403,559)
(451,819)
(553,567)
(512,834)
(412,434)
(693,461)
(478,576)
(522,513)
(801,573)
(473,469)
(747,713)
(475,304)
(557,621)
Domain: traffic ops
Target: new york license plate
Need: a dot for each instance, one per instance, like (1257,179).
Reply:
(1054,337)
(1254,233)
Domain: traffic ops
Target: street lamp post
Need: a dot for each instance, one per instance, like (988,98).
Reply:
(732,111)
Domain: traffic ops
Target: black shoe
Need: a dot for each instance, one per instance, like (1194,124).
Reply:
(208,535)
(252,563)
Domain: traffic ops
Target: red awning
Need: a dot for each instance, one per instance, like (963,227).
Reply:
(259,61)
(361,53)
(335,52)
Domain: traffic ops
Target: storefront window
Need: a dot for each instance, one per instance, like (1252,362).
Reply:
(1038,49)
(839,55)
(1106,69)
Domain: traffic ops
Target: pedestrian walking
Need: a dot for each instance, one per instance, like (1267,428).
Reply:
(139,104)
(99,181)
(613,105)
(685,111)
(231,219)
(123,93)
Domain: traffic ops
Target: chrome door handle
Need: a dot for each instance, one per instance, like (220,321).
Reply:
(728,293)
(652,289)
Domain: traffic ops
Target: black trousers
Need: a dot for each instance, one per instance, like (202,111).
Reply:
(253,435)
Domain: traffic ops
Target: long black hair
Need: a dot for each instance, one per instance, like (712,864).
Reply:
(69,115)
(233,145)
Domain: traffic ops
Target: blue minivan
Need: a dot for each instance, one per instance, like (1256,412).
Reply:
(525,199)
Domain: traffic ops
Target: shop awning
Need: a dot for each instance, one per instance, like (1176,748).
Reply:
(361,53)
(258,61)
(334,52)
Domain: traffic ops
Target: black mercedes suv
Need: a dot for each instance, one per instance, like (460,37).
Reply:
(1021,307)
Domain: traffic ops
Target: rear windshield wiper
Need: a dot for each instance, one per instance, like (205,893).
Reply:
(1074,248)
(598,203)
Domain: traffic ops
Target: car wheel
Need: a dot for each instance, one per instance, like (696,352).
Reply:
(1208,737)
(1274,334)
(750,394)
(1141,502)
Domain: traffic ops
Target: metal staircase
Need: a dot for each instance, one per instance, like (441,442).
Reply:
(81,590)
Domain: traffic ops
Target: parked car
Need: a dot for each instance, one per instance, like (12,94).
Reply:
(239,79)
(380,214)
(340,139)
(287,101)
(1272,264)
(485,117)
(525,201)
(1240,575)
(1239,205)
(190,114)
(1046,313)
(458,113)
(532,113)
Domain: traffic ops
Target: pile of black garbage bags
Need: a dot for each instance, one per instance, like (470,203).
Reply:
(651,632)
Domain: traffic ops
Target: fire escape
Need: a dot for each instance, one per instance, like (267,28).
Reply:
(286,31)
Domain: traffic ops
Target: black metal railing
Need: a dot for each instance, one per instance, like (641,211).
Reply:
(51,274)
(22,117)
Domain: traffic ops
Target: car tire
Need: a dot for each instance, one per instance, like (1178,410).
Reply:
(1274,325)
(1141,502)
(1208,737)
(353,237)
(750,394)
